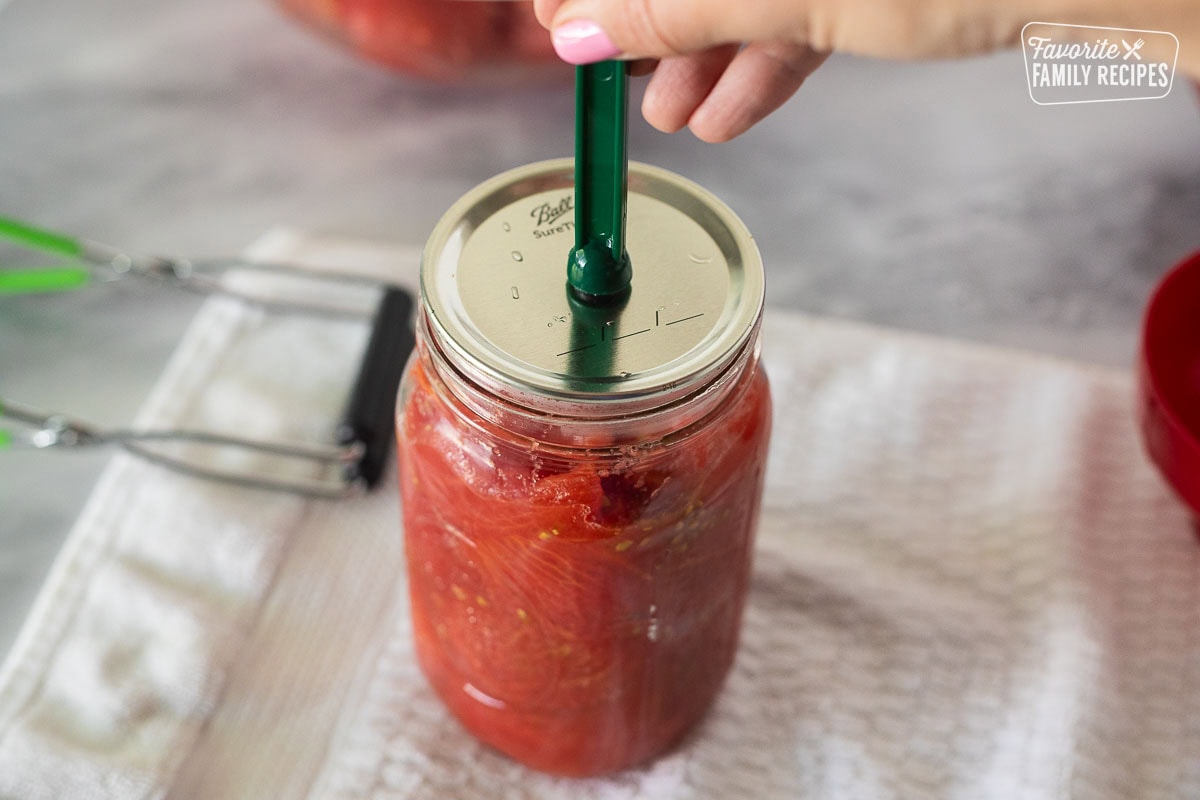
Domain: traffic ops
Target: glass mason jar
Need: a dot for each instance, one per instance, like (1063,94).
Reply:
(581,486)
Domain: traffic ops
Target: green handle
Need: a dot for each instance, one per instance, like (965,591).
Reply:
(5,439)
(598,268)
(39,239)
(53,279)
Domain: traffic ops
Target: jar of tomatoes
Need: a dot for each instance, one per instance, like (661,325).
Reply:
(581,485)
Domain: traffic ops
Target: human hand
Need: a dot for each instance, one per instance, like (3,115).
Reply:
(723,65)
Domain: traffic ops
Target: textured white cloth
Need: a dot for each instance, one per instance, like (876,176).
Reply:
(969,583)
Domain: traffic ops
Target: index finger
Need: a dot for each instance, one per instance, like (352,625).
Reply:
(545,10)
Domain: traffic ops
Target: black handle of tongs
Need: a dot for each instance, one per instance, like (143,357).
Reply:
(369,419)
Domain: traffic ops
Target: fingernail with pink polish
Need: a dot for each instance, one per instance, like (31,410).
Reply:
(582,41)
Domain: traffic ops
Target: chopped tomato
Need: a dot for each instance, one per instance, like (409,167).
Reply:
(578,612)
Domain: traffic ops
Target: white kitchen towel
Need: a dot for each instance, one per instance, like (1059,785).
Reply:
(969,583)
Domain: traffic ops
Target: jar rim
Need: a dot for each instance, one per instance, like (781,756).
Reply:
(661,426)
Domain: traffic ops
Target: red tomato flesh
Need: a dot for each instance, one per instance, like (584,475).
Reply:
(577,615)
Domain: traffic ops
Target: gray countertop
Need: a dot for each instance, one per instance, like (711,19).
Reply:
(934,197)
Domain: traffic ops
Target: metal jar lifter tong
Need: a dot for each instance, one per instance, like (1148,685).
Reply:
(355,463)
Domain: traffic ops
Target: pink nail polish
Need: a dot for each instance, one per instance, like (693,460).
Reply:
(582,41)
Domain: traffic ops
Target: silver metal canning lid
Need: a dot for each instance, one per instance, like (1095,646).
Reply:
(493,284)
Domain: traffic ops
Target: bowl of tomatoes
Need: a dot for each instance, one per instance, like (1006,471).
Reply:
(448,41)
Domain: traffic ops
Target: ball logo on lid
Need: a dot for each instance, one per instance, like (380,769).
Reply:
(547,214)
(548,217)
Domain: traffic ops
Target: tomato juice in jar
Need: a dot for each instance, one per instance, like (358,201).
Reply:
(581,485)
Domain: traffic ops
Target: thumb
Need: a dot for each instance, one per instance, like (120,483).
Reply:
(585,31)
